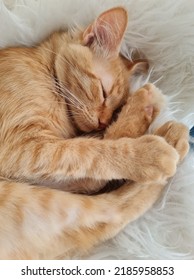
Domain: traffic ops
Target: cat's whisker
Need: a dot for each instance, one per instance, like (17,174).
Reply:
(73,95)
(159,79)
(61,86)
(79,104)
(50,99)
(73,100)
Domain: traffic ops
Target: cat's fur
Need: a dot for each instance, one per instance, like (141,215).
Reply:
(49,94)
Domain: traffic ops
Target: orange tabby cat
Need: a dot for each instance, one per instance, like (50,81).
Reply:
(49,94)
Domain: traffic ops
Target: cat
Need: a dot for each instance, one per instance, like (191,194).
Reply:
(52,93)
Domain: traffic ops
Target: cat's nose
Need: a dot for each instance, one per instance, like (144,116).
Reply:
(102,125)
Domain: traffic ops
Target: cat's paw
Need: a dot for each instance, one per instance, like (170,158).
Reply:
(157,160)
(177,135)
(151,99)
(137,114)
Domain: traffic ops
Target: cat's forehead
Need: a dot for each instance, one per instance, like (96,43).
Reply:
(90,68)
(103,72)
(80,53)
(85,61)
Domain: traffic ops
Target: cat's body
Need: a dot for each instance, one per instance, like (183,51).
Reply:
(49,94)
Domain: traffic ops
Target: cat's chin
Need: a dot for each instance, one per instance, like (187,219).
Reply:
(84,127)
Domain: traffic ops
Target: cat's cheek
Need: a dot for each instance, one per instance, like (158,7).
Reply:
(86,125)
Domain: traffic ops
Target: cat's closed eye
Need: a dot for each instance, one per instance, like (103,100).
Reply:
(104,92)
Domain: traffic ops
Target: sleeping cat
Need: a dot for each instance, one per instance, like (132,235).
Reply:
(50,95)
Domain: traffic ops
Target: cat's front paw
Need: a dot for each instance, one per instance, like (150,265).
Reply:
(177,135)
(151,99)
(157,159)
(137,114)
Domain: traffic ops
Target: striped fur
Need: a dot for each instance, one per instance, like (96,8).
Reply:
(49,94)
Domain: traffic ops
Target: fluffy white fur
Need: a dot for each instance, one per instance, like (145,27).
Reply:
(163,31)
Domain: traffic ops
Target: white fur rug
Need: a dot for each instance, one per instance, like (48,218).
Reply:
(164,31)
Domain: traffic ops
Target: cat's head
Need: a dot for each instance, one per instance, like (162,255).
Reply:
(95,78)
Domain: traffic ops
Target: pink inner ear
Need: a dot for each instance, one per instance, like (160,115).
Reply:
(107,30)
(88,36)
(88,40)
(149,110)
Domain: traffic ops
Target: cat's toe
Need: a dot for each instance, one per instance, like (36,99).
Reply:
(152,100)
(155,97)
(177,135)
(158,157)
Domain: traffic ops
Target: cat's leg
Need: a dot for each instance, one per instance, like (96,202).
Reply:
(42,223)
(137,114)
(115,209)
(37,222)
(39,158)
(150,101)
(177,135)
(134,119)
(139,197)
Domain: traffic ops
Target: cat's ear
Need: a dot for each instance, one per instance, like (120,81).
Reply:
(105,34)
(138,67)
